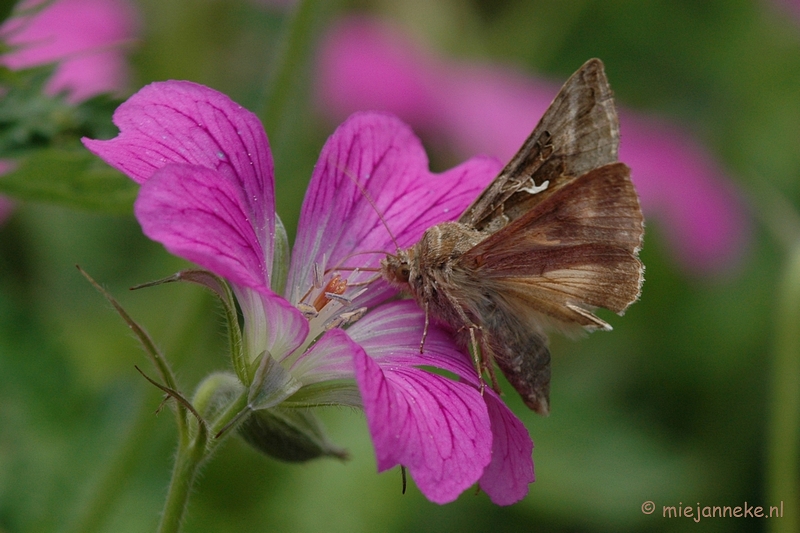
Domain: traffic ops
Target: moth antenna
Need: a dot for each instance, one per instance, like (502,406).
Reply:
(349,256)
(372,203)
(369,281)
(362,269)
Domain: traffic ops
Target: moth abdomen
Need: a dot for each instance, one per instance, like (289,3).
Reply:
(522,355)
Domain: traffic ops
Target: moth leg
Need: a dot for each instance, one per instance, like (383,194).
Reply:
(487,365)
(482,359)
(425,329)
(477,355)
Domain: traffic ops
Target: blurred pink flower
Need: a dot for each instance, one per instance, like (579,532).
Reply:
(86,38)
(486,109)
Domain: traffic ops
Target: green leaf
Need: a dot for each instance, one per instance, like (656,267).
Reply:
(70,177)
(30,118)
(6,7)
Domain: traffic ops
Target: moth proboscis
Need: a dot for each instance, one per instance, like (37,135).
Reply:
(553,237)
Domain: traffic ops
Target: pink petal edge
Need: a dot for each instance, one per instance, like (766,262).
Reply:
(508,476)
(184,122)
(435,427)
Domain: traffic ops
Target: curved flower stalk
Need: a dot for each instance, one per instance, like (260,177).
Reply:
(365,64)
(320,329)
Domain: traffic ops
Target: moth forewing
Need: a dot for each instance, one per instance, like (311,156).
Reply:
(578,132)
(576,249)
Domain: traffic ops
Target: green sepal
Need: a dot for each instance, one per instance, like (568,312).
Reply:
(328,392)
(271,384)
(280,259)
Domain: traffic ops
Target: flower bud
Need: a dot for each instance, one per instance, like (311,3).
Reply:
(290,435)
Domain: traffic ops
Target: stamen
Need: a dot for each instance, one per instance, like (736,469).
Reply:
(351,317)
(345,300)
(333,290)
(333,323)
(317,276)
(359,292)
(308,310)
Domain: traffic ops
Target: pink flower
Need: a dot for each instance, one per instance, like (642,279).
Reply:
(86,38)
(484,109)
(207,194)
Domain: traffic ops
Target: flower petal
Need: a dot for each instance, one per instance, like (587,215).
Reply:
(507,477)
(391,334)
(330,358)
(183,122)
(199,214)
(435,427)
(372,177)
(270,323)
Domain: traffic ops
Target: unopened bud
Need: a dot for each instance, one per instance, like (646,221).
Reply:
(291,435)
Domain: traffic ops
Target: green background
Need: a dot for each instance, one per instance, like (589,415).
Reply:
(673,406)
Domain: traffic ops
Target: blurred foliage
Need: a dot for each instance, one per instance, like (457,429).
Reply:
(670,407)
(42,134)
(6,7)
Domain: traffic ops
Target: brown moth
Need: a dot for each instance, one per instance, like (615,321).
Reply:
(554,236)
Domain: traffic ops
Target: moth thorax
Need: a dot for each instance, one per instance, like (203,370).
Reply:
(443,243)
(396,269)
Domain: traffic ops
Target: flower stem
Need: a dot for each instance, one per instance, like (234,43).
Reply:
(784,425)
(190,456)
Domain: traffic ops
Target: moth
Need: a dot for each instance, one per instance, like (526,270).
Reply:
(555,236)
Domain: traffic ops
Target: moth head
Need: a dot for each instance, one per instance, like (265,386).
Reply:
(396,269)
